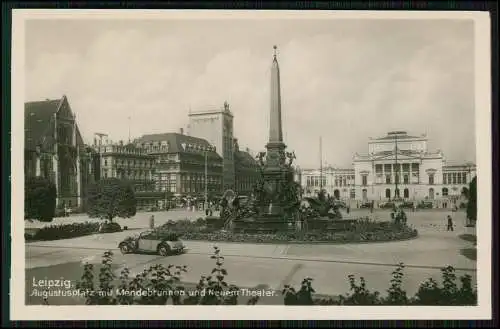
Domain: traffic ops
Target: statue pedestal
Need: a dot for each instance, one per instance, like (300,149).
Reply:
(265,223)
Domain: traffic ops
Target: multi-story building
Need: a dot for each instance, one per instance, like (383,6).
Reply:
(183,164)
(398,166)
(401,166)
(336,182)
(216,126)
(54,149)
(247,171)
(126,161)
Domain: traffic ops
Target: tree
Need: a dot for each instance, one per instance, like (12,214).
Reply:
(110,198)
(40,196)
(472,204)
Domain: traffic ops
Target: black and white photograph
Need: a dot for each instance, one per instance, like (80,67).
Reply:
(280,165)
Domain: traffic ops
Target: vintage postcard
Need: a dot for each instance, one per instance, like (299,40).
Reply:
(258,165)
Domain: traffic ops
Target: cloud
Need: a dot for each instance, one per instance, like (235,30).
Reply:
(345,81)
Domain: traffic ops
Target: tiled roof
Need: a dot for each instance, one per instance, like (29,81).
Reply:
(245,158)
(175,141)
(452,163)
(37,119)
(398,135)
(39,122)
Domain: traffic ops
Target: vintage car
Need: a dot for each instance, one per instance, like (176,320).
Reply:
(366,205)
(153,241)
(407,205)
(386,205)
(425,205)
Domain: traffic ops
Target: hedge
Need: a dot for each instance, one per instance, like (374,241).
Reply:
(73,230)
(363,230)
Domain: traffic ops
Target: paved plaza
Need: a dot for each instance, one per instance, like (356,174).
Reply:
(251,265)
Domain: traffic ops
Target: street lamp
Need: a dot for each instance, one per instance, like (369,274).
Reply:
(206,180)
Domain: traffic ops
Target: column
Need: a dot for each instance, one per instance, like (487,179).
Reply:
(89,168)
(55,164)
(78,179)
(55,167)
(37,164)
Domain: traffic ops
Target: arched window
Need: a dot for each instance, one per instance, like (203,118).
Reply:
(431,193)
(406,193)
(445,191)
(388,193)
(365,194)
(336,194)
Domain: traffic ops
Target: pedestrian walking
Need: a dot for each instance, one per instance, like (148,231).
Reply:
(449,227)
(152,222)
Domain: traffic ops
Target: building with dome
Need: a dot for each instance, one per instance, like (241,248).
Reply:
(396,166)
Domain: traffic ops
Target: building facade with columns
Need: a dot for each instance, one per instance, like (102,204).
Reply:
(396,166)
(399,165)
(336,182)
(54,149)
(183,164)
(128,162)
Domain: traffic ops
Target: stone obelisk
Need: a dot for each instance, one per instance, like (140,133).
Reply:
(275,156)
(275,171)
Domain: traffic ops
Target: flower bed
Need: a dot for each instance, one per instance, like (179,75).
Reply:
(363,230)
(64,231)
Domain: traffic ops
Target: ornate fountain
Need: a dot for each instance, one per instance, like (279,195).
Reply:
(276,196)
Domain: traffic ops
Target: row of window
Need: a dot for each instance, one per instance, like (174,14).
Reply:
(388,193)
(390,179)
(130,174)
(448,178)
(455,178)
(245,184)
(389,167)
(129,162)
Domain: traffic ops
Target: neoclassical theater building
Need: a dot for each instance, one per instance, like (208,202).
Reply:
(396,166)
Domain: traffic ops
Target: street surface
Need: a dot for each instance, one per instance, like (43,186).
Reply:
(251,265)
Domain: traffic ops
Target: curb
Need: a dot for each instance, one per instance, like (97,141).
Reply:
(305,242)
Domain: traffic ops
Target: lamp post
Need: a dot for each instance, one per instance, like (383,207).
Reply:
(206,179)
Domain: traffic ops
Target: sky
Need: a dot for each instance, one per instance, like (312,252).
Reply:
(342,80)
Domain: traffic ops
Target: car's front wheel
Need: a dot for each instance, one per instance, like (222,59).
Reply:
(125,248)
(164,250)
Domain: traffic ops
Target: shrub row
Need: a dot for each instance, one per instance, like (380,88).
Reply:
(363,230)
(308,237)
(73,230)
(213,289)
